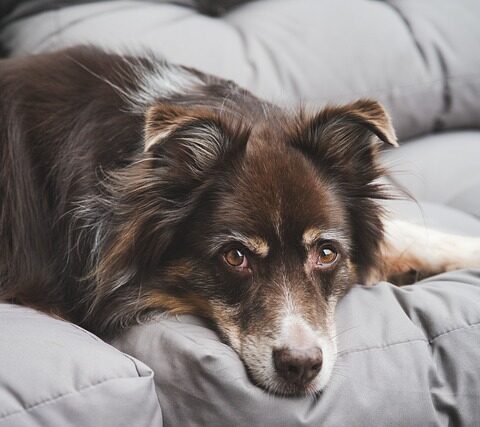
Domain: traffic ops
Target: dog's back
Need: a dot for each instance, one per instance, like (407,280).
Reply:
(51,126)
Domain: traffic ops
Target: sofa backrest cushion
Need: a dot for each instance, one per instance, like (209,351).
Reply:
(420,58)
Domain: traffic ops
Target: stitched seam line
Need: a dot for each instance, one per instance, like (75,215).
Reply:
(381,347)
(61,396)
(429,341)
(473,325)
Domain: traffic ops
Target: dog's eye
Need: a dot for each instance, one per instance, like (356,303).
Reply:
(327,255)
(236,258)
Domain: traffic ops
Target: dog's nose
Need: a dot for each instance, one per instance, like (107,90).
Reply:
(298,366)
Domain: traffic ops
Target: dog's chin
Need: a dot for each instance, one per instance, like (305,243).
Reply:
(257,358)
(282,388)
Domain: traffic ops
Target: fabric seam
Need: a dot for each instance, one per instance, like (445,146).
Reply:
(427,341)
(49,400)
(441,334)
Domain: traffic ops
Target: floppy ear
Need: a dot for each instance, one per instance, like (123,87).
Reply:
(344,142)
(192,139)
(149,199)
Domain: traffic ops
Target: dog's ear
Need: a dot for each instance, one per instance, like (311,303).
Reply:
(362,115)
(148,200)
(191,141)
(345,140)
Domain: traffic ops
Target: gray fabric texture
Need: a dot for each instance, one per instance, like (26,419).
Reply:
(448,36)
(420,58)
(407,357)
(11,10)
(435,216)
(55,374)
(441,169)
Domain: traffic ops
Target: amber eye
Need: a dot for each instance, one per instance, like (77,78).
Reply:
(327,255)
(236,258)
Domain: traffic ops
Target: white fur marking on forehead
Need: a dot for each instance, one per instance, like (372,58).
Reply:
(289,304)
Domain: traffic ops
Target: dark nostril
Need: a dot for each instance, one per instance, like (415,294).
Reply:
(298,366)
(292,369)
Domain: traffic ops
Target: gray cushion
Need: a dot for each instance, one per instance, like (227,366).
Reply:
(420,58)
(408,357)
(435,216)
(441,169)
(447,35)
(55,374)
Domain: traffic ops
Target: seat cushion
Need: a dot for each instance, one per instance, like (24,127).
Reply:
(53,373)
(407,356)
(440,169)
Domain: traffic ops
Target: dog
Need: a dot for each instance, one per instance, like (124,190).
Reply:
(129,186)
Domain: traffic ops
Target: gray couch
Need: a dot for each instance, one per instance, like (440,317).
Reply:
(408,356)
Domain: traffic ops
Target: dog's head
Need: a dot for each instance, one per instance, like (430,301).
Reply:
(258,228)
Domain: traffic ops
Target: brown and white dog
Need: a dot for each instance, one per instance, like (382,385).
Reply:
(129,186)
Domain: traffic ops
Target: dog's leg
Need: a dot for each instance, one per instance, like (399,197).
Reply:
(424,251)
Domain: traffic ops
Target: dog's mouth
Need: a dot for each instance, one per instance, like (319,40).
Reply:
(290,371)
(297,362)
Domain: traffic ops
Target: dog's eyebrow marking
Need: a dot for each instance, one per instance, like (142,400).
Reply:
(255,244)
(311,235)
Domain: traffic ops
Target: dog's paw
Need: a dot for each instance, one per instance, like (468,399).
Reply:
(412,252)
(461,252)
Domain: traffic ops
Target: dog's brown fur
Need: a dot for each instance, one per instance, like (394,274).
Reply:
(111,210)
